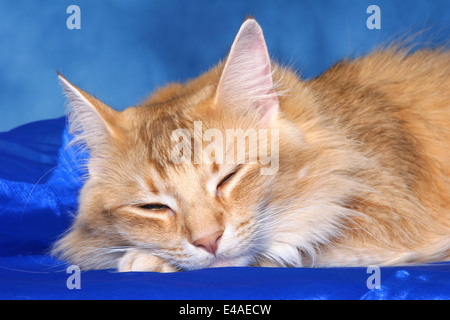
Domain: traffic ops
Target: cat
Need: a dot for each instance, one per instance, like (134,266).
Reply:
(363,173)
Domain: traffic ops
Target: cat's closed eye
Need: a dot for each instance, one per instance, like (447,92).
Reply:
(154,207)
(226,179)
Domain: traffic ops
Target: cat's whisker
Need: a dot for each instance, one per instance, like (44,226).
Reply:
(42,177)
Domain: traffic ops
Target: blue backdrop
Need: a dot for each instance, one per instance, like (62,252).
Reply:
(123,50)
(126,48)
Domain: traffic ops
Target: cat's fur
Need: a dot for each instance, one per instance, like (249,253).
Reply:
(363,178)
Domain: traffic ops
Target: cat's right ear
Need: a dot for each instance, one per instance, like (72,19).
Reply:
(91,121)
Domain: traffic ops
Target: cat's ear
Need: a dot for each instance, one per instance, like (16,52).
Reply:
(246,79)
(91,121)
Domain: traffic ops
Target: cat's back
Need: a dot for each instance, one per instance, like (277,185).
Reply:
(398,105)
(418,82)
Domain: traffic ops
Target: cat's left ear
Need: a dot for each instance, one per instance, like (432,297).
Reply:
(246,79)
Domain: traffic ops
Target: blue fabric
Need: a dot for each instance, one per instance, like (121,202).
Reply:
(41,277)
(39,185)
(33,214)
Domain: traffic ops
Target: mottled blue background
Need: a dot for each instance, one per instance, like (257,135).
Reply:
(126,48)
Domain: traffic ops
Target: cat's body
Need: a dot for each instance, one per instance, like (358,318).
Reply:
(363,177)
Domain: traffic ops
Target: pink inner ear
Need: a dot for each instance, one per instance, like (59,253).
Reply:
(247,76)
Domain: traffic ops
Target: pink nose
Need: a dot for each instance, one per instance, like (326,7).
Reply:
(209,243)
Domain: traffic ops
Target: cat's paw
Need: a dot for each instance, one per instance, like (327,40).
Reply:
(139,261)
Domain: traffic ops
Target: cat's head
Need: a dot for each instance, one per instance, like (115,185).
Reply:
(190,174)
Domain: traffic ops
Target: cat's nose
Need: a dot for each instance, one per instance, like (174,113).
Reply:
(210,242)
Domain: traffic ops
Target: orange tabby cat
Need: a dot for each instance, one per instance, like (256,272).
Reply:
(362,174)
